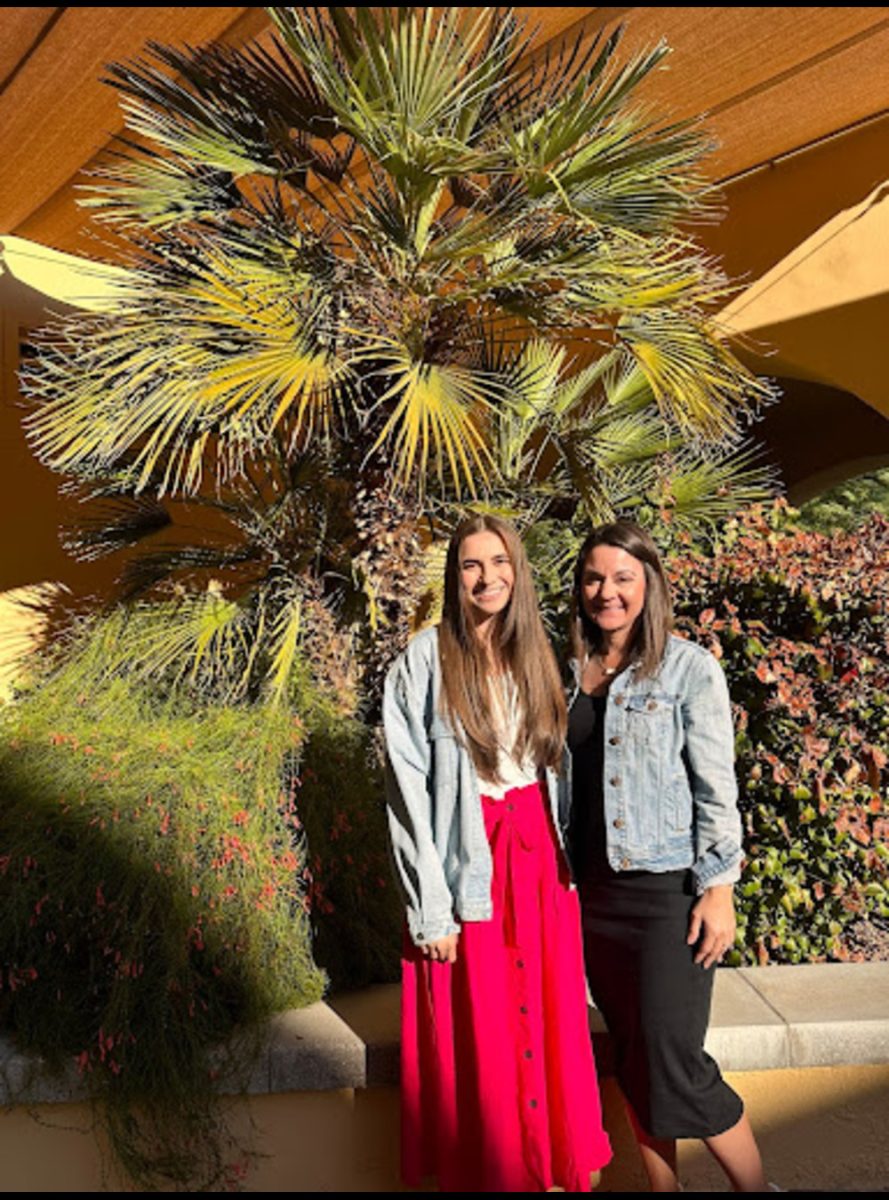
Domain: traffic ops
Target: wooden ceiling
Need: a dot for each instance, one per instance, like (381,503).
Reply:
(772,81)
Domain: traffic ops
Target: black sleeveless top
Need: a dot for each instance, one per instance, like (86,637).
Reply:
(586,741)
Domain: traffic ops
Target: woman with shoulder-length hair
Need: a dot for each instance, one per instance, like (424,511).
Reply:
(655,839)
(499,1088)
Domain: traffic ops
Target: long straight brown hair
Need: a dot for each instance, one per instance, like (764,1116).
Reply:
(520,646)
(656,619)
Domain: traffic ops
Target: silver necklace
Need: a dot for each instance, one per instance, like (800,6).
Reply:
(608,672)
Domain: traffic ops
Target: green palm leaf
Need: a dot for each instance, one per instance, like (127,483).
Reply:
(284,641)
(706,491)
(242,357)
(203,641)
(695,378)
(189,102)
(436,414)
(405,85)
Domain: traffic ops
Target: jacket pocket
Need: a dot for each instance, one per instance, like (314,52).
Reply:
(649,725)
(650,719)
(444,754)
(680,808)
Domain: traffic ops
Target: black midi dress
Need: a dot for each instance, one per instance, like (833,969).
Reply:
(655,1000)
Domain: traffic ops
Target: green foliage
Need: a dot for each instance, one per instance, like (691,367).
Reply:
(597,441)
(848,504)
(799,623)
(364,252)
(154,890)
(357,913)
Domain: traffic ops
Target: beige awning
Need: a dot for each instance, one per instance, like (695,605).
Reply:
(822,313)
(27,267)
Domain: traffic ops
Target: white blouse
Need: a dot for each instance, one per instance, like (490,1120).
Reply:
(507,717)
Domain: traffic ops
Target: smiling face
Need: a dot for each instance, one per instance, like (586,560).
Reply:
(486,575)
(612,589)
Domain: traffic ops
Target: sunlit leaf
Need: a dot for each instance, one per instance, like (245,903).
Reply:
(435,415)
(284,644)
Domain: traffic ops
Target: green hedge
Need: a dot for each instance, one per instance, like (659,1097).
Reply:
(799,622)
(154,892)
(357,912)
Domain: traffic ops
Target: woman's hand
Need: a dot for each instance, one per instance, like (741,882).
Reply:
(713,924)
(444,950)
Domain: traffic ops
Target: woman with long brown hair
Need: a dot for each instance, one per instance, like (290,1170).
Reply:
(655,838)
(499,1088)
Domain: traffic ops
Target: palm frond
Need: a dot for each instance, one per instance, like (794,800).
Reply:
(707,490)
(622,441)
(563,117)
(435,415)
(284,640)
(203,641)
(148,189)
(627,387)
(536,375)
(407,85)
(643,180)
(242,355)
(532,379)
(695,378)
(157,566)
(574,395)
(110,523)
(32,620)
(192,104)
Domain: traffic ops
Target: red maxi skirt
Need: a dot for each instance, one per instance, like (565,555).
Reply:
(498,1083)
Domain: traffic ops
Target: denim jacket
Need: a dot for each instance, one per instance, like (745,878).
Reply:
(668,779)
(436,825)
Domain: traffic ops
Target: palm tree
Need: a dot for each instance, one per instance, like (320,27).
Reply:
(391,264)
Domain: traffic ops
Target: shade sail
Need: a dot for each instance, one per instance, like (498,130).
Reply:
(822,312)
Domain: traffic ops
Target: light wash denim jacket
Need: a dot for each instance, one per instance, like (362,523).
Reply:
(670,793)
(436,826)
(671,800)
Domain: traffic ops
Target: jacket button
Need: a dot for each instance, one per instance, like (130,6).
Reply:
(619,699)
(614,741)
(615,781)
(651,705)
(618,823)
(625,864)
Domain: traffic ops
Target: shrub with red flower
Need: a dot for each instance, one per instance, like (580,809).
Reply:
(152,884)
(800,623)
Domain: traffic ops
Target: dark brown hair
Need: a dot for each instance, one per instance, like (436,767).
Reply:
(656,619)
(522,648)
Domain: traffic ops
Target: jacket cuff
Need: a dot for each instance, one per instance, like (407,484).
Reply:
(720,864)
(430,930)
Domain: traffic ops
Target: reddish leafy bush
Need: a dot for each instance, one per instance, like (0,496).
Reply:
(799,622)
